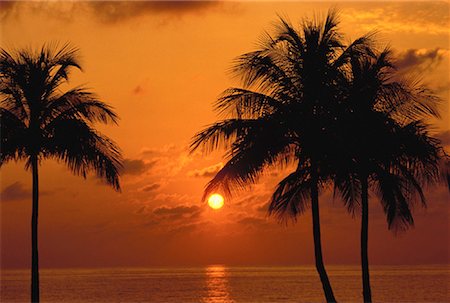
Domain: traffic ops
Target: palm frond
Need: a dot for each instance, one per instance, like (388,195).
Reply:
(222,134)
(292,195)
(83,149)
(252,152)
(78,102)
(13,132)
(348,187)
(243,103)
(392,189)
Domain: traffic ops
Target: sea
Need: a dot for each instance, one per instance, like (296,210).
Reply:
(224,284)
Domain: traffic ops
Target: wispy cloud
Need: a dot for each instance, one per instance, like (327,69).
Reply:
(151,187)
(136,166)
(445,138)
(15,192)
(108,12)
(421,58)
(115,11)
(412,17)
(207,172)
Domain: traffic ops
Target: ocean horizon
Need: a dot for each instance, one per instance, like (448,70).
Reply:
(226,284)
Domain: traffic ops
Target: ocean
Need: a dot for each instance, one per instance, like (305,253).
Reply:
(222,284)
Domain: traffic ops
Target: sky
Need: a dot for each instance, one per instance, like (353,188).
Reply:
(161,65)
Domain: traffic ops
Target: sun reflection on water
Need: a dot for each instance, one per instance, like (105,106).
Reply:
(217,290)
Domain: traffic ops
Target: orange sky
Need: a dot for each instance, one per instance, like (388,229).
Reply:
(161,65)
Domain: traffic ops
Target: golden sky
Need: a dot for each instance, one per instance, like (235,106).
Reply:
(161,65)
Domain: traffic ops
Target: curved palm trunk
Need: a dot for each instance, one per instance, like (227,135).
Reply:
(364,241)
(34,233)
(328,291)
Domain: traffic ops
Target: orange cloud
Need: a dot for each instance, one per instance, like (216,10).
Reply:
(151,187)
(109,12)
(421,58)
(15,192)
(136,166)
(207,172)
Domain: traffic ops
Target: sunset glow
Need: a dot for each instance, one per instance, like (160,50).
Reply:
(125,125)
(161,66)
(215,201)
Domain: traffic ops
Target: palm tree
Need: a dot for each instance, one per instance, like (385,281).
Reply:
(39,122)
(284,114)
(384,145)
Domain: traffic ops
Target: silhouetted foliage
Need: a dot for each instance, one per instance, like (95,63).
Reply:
(340,113)
(39,122)
(385,144)
(284,114)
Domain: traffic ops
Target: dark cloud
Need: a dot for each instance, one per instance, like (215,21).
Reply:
(253,222)
(177,211)
(15,192)
(136,166)
(7,5)
(444,137)
(115,11)
(264,207)
(107,11)
(185,228)
(208,172)
(441,88)
(182,217)
(421,58)
(151,187)
(138,90)
(167,150)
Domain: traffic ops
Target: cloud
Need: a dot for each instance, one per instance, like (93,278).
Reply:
(151,187)
(422,58)
(172,219)
(172,159)
(177,211)
(136,166)
(263,207)
(109,12)
(444,137)
(115,11)
(252,222)
(15,192)
(209,171)
(425,17)
(166,150)
(138,90)
(172,197)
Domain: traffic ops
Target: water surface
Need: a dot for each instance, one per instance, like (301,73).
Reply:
(222,284)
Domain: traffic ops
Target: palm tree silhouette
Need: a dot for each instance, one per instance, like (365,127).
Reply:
(39,122)
(284,114)
(385,145)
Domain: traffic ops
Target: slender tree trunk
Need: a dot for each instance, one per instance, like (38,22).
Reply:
(364,240)
(317,242)
(34,233)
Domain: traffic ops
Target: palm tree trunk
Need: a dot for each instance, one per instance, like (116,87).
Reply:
(364,240)
(34,233)
(317,242)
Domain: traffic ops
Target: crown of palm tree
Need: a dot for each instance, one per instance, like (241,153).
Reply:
(284,112)
(38,119)
(383,137)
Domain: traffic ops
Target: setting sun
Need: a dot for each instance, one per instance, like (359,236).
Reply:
(215,201)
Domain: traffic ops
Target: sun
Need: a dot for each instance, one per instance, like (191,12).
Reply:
(215,201)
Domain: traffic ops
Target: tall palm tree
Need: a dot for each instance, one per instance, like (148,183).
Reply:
(385,145)
(284,114)
(39,122)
